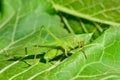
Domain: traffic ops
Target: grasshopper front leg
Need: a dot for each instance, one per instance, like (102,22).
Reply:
(82,44)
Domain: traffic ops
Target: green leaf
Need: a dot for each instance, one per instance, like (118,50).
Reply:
(20,28)
(102,61)
(101,11)
(24,21)
(22,71)
(20,33)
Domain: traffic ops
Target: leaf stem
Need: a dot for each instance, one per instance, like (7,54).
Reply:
(80,15)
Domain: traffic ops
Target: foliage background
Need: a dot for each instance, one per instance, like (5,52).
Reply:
(20,22)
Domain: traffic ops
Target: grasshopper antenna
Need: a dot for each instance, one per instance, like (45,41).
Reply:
(37,45)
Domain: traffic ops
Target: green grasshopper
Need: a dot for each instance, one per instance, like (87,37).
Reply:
(65,44)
